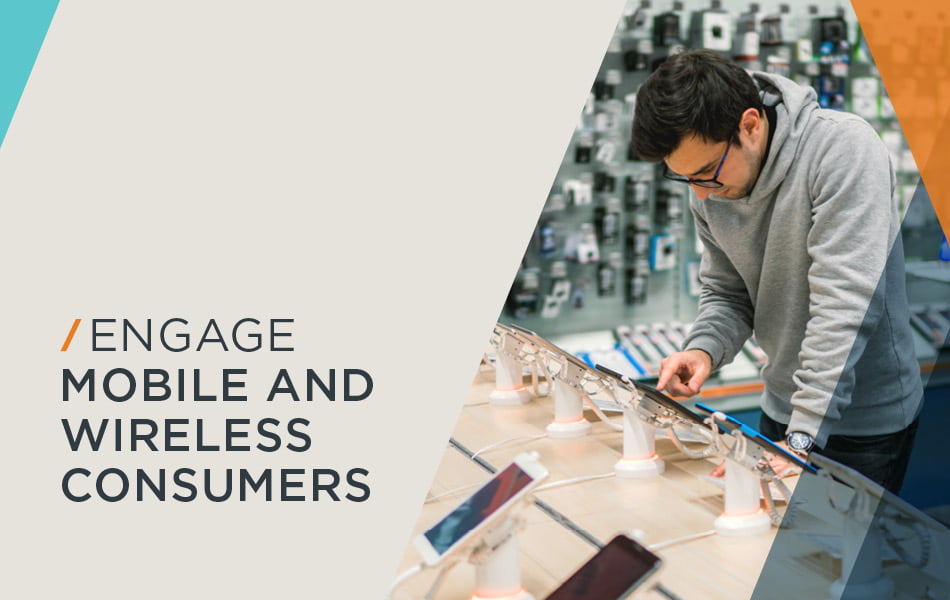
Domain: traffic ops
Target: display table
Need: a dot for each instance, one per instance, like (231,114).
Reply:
(556,538)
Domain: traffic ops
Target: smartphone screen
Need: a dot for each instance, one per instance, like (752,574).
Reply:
(504,486)
(611,574)
(667,402)
(656,396)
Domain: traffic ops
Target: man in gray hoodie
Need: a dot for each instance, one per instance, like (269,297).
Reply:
(795,208)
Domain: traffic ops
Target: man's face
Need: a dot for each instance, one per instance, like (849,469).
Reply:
(697,158)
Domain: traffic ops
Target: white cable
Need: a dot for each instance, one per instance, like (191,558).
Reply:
(538,366)
(555,484)
(403,578)
(534,380)
(791,508)
(600,415)
(673,542)
(508,441)
(479,403)
(438,581)
(681,446)
(766,492)
(451,492)
(926,543)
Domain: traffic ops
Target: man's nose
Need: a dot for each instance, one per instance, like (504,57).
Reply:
(700,191)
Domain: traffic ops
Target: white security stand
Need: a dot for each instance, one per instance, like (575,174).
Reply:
(569,421)
(868,517)
(509,382)
(861,577)
(639,458)
(743,514)
(642,416)
(498,567)
(863,540)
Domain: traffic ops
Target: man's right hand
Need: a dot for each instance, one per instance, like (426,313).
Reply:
(683,373)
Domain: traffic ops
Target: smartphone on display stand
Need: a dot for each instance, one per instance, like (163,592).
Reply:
(655,396)
(732,424)
(484,508)
(615,572)
(550,347)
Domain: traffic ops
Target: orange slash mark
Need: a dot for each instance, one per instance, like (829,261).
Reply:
(69,338)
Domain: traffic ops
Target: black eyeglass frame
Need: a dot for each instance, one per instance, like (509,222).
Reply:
(713,183)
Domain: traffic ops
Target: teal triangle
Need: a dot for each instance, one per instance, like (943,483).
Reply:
(23,25)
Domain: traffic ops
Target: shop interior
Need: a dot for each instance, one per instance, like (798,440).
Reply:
(568,476)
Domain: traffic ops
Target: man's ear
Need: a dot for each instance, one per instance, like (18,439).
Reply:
(750,123)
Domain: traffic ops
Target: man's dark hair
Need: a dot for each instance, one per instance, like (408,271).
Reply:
(697,92)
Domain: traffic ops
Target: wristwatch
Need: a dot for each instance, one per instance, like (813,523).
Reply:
(799,442)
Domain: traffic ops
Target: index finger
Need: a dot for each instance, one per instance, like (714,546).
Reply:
(666,371)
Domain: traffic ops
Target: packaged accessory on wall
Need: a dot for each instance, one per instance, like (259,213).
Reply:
(630,242)
(579,192)
(745,51)
(606,280)
(636,287)
(775,27)
(831,92)
(711,28)
(675,198)
(603,90)
(637,23)
(638,59)
(661,207)
(612,80)
(830,36)
(522,299)
(779,63)
(866,97)
(608,119)
(559,292)
(607,221)
(604,181)
(666,28)
(804,49)
(584,148)
(607,150)
(662,252)
(555,203)
(578,295)
(587,250)
(607,274)
(547,239)
(636,194)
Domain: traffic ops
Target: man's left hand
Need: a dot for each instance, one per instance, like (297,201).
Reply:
(779,464)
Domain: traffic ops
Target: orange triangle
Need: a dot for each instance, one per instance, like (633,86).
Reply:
(911,47)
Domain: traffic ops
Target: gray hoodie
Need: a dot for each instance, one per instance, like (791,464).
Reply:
(812,263)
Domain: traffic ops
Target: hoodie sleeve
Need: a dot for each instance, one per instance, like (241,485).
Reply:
(854,222)
(724,321)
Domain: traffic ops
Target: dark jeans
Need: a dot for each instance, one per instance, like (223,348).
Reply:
(881,458)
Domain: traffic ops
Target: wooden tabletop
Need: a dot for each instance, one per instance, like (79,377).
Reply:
(679,503)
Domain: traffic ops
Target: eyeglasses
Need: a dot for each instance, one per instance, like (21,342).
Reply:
(706,183)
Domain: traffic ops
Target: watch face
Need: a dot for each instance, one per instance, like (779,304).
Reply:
(799,441)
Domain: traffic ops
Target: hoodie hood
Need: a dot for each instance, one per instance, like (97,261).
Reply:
(811,262)
(794,107)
